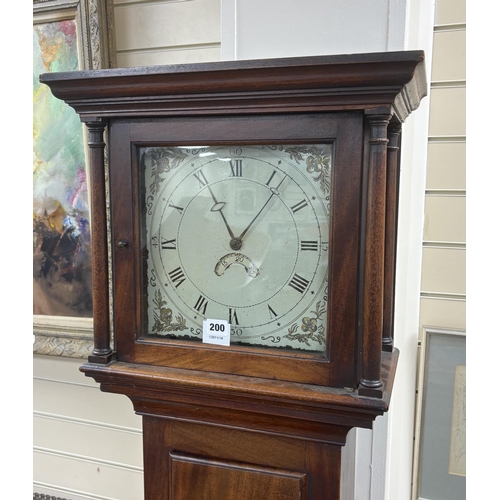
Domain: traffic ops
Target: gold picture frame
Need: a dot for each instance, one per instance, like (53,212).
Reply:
(63,334)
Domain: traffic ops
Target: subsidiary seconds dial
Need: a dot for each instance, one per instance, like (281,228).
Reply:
(238,233)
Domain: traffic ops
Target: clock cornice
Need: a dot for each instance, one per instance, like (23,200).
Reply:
(300,84)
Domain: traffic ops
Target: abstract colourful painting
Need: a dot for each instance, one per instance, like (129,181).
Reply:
(61,233)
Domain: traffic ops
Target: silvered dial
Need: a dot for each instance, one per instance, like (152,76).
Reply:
(241,234)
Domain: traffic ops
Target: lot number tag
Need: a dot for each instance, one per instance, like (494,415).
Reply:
(216,331)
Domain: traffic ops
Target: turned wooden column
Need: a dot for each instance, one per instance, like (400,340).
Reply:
(391,223)
(373,290)
(102,352)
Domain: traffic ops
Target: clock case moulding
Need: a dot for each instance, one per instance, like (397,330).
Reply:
(356,100)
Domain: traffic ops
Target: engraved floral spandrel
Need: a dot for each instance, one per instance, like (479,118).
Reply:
(311,328)
(317,163)
(163,316)
(163,160)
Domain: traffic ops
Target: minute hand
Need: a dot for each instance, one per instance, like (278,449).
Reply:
(274,191)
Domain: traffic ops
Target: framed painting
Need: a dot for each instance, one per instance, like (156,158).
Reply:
(441,431)
(67,35)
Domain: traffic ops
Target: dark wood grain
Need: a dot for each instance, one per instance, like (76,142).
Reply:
(259,426)
(342,130)
(391,231)
(196,478)
(373,284)
(102,352)
(249,462)
(261,86)
(152,387)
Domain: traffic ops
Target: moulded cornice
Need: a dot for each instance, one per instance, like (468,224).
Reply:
(303,84)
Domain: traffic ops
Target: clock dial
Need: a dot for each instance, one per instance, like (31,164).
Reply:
(238,233)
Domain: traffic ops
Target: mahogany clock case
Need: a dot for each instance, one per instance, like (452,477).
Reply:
(247,421)
(335,366)
(354,103)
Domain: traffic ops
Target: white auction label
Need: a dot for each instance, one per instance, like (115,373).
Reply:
(216,331)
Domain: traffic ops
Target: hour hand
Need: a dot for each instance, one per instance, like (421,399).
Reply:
(217,207)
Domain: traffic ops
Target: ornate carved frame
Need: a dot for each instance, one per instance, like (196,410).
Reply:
(63,336)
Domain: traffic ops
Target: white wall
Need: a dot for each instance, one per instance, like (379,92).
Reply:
(151,32)
(254,29)
(420,17)
(443,290)
(86,444)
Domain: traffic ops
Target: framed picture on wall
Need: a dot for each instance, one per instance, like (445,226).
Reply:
(67,36)
(442,430)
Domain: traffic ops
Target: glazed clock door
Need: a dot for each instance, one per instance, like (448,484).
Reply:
(237,233)
(231,226)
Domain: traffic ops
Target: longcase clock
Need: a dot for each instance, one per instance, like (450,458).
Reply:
(253,215)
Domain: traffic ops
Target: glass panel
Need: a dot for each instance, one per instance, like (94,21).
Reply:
(237,233)
(442,448)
